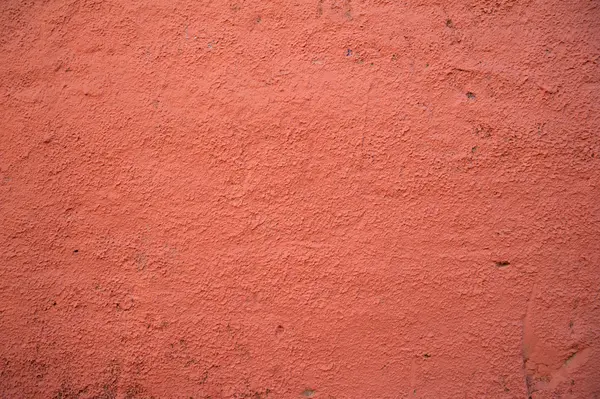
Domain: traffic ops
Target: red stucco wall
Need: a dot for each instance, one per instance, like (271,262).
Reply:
(325,198)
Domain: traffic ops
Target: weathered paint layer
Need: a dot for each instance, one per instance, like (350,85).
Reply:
(324,199)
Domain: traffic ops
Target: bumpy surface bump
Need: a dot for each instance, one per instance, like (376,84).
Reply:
(301,199)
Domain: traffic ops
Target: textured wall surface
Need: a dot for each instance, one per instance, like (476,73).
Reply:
(305,199)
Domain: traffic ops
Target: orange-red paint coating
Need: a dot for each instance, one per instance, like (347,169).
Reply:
(324,199)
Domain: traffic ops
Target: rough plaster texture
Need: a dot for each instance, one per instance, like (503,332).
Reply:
(326,199)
